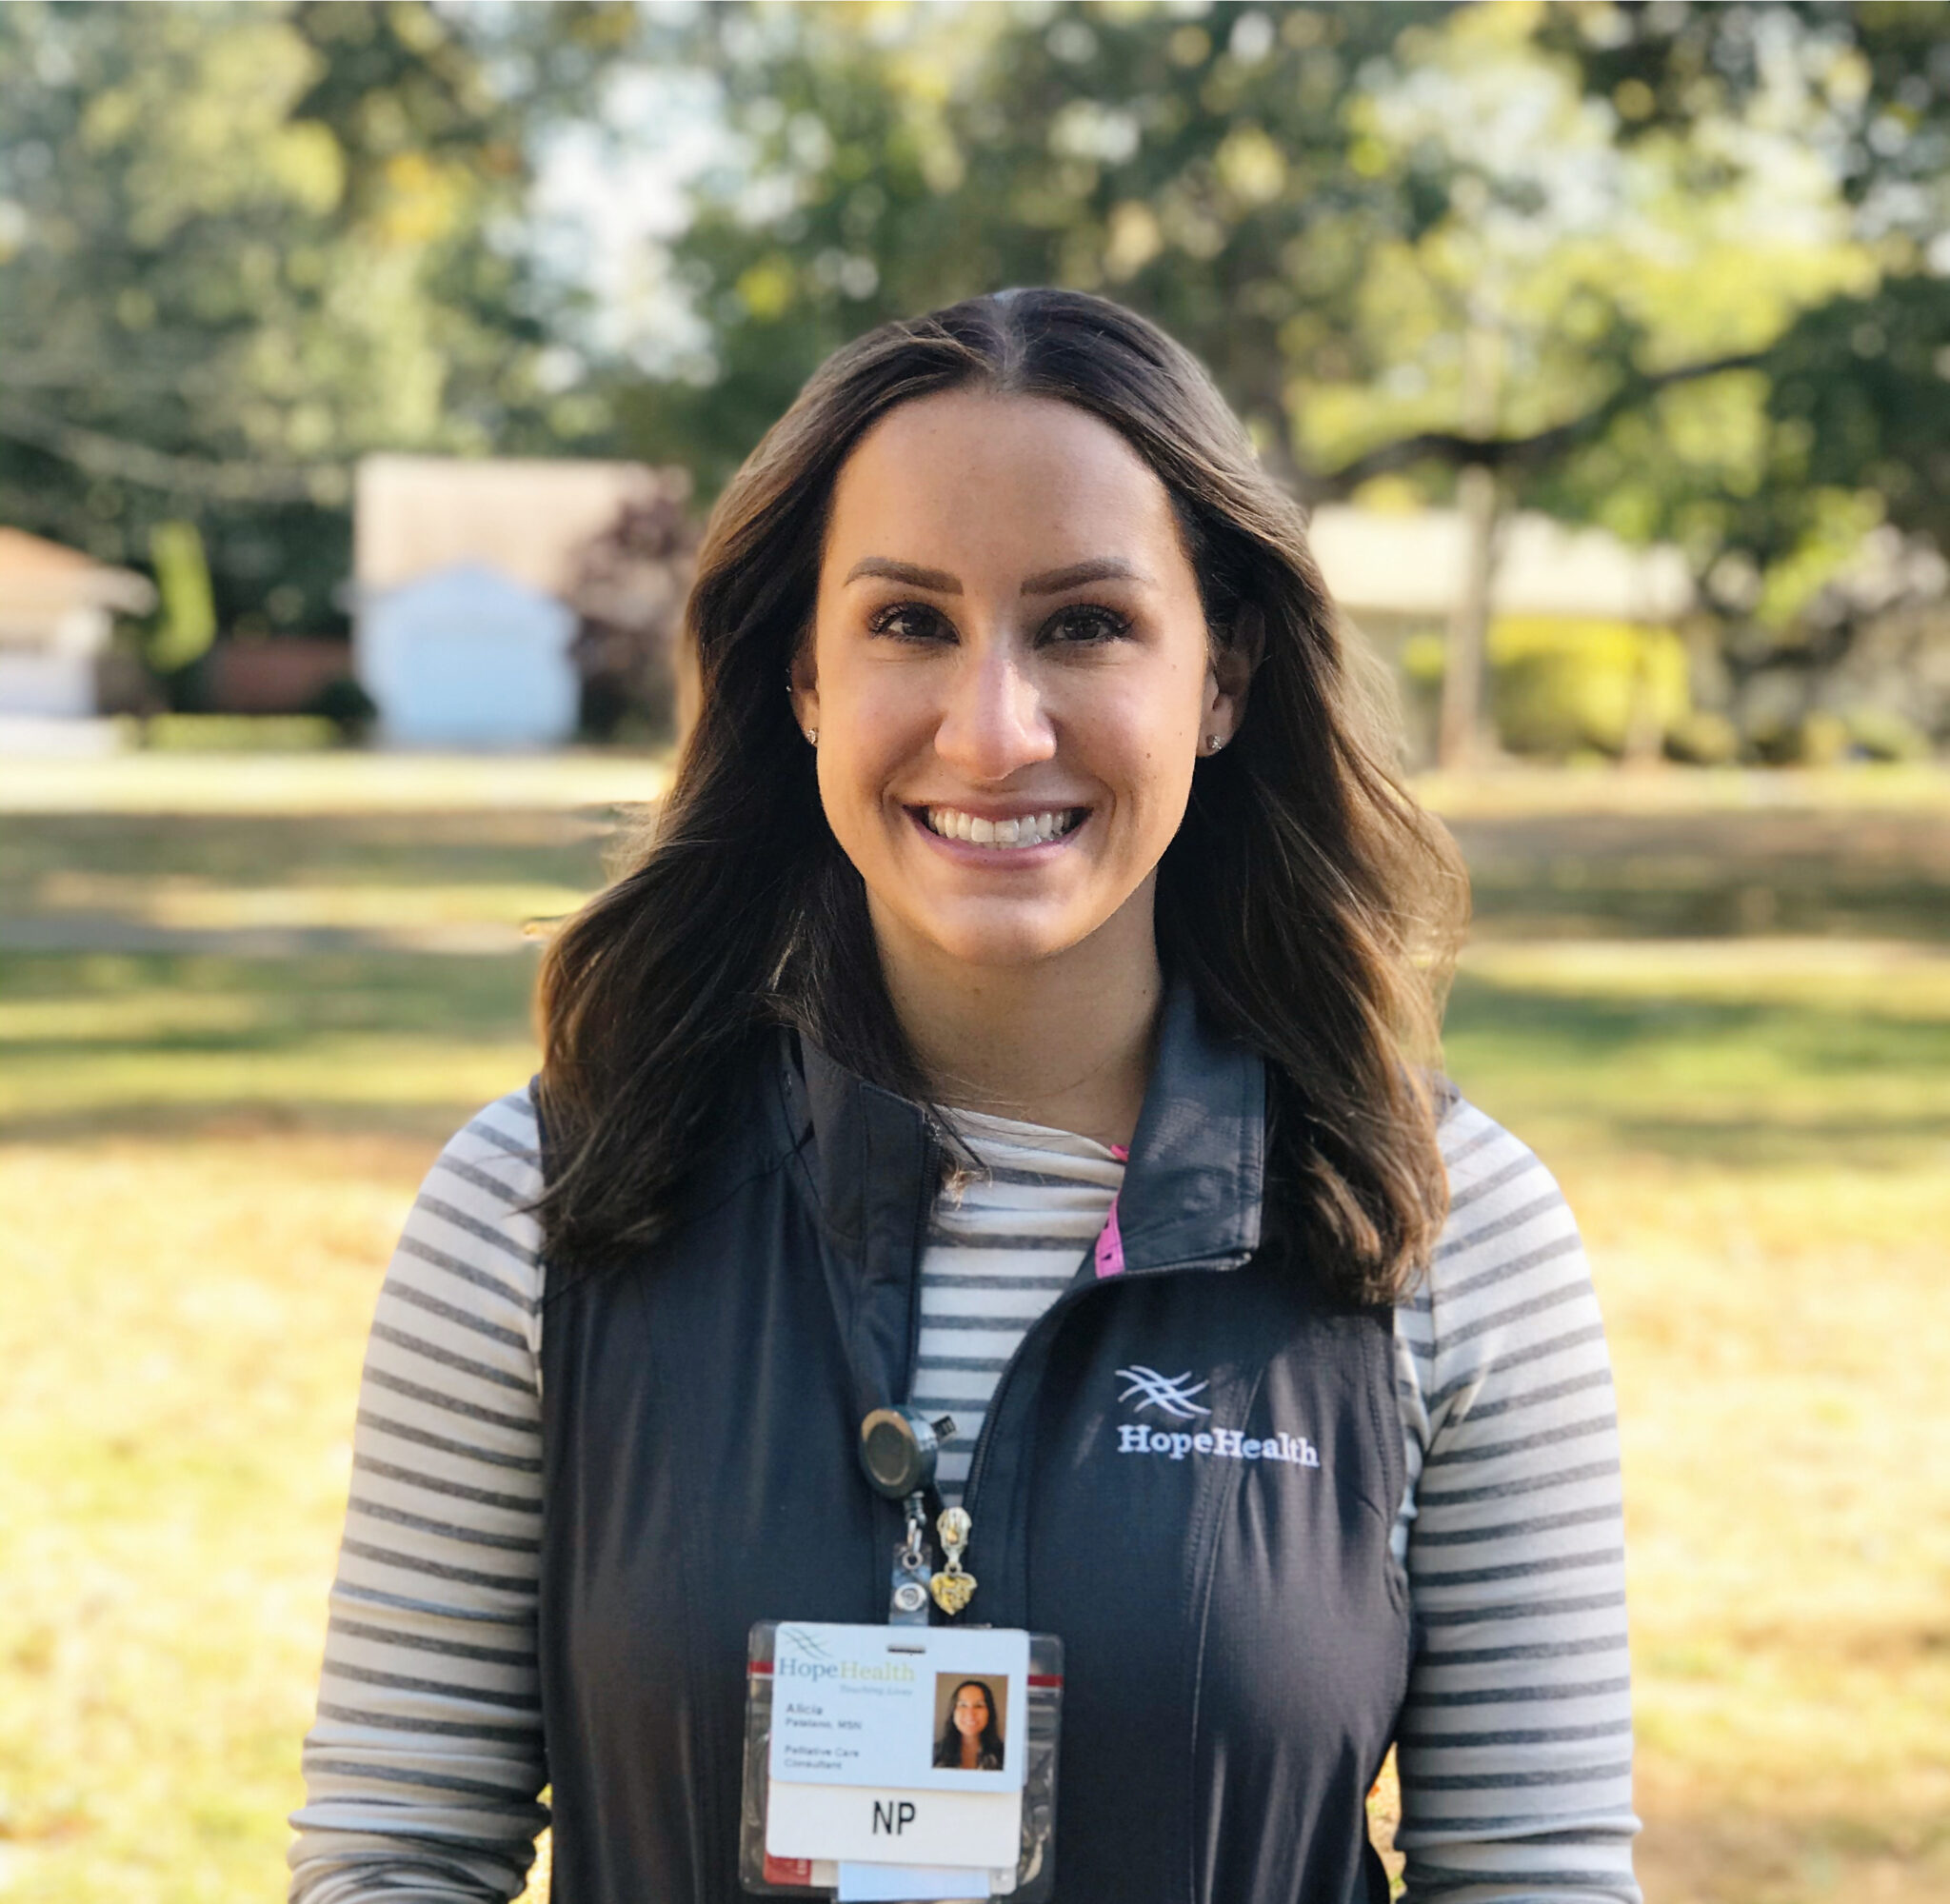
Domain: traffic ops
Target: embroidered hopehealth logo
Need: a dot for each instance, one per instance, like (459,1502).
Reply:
(1167,1392)
(1173,1395)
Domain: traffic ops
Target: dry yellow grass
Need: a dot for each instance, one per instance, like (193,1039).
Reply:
(181,1335)
(206,1159)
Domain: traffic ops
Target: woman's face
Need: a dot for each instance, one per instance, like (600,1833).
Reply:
(972,1712)
(1010,674)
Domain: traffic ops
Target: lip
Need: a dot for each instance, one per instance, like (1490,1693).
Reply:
(998,809)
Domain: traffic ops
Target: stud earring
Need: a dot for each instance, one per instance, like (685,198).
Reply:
(813,735)
(1214,741)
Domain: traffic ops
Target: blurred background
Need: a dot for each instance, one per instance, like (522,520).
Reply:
(365,373)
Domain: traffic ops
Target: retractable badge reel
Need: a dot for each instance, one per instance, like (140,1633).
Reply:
(899,1450)
(911,1761)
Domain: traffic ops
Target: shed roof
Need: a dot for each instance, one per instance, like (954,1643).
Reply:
(47,577)
(529,518)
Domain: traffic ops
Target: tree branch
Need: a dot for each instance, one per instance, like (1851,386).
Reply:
(1511,452)
(327,484)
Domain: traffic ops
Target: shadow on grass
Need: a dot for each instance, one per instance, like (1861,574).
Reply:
(1705,1081)
(403,850)
(164,1046)
(278,1003)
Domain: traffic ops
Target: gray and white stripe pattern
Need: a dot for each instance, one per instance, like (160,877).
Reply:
(1007,1240)
(424,1768)
(1515,1746)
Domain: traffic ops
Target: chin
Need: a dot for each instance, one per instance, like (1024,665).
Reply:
(999,944)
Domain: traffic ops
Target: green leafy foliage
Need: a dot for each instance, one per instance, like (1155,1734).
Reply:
(240,244)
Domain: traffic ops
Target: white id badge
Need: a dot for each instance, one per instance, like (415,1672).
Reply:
(901,1763)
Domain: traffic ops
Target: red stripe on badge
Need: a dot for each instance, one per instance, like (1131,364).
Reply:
(788,1869)
(1046,1679)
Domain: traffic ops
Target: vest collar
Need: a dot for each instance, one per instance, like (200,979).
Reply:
(1193,1189)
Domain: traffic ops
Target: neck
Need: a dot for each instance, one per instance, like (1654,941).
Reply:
(1065,1042)
(971,1751)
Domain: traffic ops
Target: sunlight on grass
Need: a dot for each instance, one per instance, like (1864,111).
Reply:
(1781,1339)
(217,1151)
(331,782)
(1884,978)
(329,1072)
(182,1338)
(183,903)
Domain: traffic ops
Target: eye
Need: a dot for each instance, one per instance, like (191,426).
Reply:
(1087,622)
(911,621)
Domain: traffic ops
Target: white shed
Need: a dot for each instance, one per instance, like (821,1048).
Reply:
(57,610)
(467,657)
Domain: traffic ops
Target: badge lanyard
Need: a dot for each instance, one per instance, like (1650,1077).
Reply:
(862,1710)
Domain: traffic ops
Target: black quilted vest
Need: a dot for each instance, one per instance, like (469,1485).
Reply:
(1236,1631)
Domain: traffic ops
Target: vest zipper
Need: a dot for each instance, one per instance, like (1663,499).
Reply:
(979,1461)
(924,1212)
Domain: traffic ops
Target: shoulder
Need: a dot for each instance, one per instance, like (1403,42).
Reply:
(1509,1258)
(489,1175)
(1499,1191)
(471,1241)
(498,1150)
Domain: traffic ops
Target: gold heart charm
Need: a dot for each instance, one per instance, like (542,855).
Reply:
(953,1592)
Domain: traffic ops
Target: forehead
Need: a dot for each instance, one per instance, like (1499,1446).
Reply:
(967,479)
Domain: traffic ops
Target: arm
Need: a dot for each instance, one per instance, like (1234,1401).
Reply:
(423,1770)
(1515,1746)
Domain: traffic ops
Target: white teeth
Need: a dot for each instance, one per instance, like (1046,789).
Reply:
(1029,829)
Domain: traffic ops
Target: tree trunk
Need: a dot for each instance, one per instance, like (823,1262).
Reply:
(1458,741)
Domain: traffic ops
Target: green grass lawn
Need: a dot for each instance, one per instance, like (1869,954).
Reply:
(207,1149)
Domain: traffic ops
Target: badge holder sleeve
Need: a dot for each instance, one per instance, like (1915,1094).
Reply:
(1033,1880)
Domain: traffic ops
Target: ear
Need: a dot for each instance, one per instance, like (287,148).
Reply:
(802,680)
(1235,658)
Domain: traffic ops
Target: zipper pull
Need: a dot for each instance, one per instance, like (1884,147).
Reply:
(953,1588)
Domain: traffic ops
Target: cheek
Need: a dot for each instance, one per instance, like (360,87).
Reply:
(1146,732)
(865,732)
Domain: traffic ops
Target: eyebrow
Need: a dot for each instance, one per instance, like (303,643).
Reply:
(1100,568)
(1051,582)
(937,581)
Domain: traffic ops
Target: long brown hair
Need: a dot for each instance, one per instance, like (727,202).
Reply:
(1310,903)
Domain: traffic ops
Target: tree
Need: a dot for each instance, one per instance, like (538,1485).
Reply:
(1854,389)
(1695,238)
(241,244)
(1205,169)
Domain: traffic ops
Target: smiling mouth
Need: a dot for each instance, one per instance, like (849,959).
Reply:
(1026,829)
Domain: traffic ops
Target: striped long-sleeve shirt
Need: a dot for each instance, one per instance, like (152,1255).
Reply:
(426,1763)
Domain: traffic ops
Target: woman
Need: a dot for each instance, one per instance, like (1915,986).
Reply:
(970,1740)
(1024,1008)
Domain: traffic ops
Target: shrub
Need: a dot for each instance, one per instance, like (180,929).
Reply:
(239,733)
(346,705)
(1702,740)
(1562,687)
(1557,686)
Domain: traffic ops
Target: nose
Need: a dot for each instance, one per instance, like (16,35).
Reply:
(994,723)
